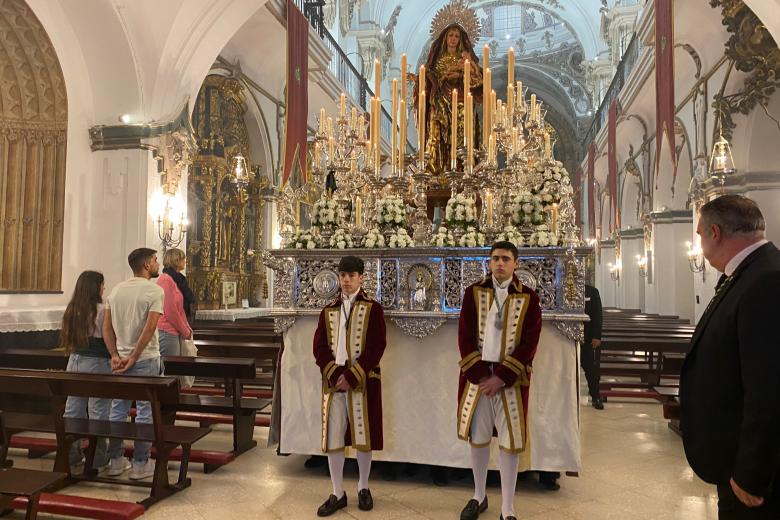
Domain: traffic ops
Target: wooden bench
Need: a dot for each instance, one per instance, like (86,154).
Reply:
(162,434)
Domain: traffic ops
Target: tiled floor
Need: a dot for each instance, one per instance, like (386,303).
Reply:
(634,468)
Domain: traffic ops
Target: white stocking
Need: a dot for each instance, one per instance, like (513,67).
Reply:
(479,465)
(336,467)
(364,468)
(507,466)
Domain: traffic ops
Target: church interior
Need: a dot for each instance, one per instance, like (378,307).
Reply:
(262,141)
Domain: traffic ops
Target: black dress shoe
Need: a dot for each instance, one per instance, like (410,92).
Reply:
(365,502)
(440,476)
(508,518)
(549,480)
(331,505)
(597,403)
(473,509)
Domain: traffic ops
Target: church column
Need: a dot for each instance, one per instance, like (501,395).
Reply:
(673,279)
(632,288)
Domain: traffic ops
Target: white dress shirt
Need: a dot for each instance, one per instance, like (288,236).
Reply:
(341,343)
(491,348)
(740,257)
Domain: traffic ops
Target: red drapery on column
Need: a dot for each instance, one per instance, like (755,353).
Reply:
(297,102)
(612,184)
(578,198)
(664,82)
(591,189)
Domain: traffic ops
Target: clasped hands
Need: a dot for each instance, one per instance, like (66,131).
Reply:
(342,384)
(122,364)
(491,385)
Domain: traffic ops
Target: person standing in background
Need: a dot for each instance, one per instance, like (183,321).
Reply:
(591,342)
(173,325)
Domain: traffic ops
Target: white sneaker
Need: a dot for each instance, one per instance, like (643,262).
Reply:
(141,471)
(117,466)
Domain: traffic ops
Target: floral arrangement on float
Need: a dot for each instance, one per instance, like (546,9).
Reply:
(327,213)
(398,239)
(340,239)
(472,238)
(554,183)
(304,239)
(374,239)
(461,212)
(527,209)
(543,237)
(390,212)
(511,234)
(443,238)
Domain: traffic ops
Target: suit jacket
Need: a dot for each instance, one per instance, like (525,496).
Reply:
(730,381)
(594,311)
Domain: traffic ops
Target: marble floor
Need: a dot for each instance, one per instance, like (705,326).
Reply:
(633,468)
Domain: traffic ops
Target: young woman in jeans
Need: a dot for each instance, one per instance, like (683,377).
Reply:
(82,338)
(173,325)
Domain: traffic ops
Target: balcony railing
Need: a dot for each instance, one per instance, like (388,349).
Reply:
(623,71)
(355,85)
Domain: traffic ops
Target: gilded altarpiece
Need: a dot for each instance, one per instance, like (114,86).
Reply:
(226,220)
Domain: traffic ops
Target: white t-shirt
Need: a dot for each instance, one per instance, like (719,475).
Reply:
(131,302)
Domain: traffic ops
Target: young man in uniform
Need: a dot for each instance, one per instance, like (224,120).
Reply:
(500,323)
(348,344)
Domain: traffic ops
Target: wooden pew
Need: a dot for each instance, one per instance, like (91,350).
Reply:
(55,386)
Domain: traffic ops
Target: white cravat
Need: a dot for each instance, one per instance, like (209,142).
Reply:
(740,257)
(341,343)
(491,348)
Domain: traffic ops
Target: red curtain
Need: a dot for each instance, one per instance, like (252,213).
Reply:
(296,117)
(591,189)
(664,82)
(612,184)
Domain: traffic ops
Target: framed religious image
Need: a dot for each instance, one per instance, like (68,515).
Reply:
(229,293)
(304,215)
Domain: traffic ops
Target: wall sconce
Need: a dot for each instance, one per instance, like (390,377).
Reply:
(171,220)
(641,263)
(721,161)
(614,270)
(240,176)
(695,257)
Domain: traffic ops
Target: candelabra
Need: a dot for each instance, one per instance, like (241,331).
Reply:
(171,222)
(641,263)
(614,270)
(695,257)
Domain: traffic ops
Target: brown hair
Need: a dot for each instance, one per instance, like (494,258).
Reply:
(138,257)
(734,214)
(78,322)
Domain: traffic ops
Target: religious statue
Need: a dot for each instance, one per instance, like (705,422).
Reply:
(454,28)
(419,298)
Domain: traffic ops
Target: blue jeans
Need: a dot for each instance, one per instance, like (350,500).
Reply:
(121,407)
(88,407)
(170,344)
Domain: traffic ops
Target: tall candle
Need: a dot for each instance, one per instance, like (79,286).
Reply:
(371,136)
(353,120)
(466,78)
(377,77)
(403,76)
(378,134)
(489,206)
(454,131)
(533,106)
(330,127)
(316,154)
(361,127)
(555,218)
(547,149)
(486,108)
(514,140)
(519,94)
(393,126)
(343,105)
(402,146)
(491,148)
(322,120)
(358,211)
(510,102)
(421,127)
(511,67)
(485,58)
(470,128)
(330,149)
(421,81)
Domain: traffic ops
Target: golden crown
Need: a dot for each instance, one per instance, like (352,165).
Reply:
(457,12)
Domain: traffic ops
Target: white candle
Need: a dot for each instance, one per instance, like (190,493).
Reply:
(394,126)
(402,144)
(322,120)
(377,77)
(466,77)
(511,67)
(421,128)
(343,105)
(454,131)
(403,76)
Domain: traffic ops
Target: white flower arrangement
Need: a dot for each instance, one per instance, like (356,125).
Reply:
(341,239)
(543,237)
(555,182)
(460,212)
(527,209)
(400,238)
(511,234)
(304,239)
(390,212)
(443,238)
(326,212)
(472,238)
(374,239)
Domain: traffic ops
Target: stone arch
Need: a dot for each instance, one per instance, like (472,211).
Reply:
(33,126)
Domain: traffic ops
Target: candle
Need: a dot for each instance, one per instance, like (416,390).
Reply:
(514,140)
(358,211)
(486,107)
(470,128)
(547,145)
(533,106)
(454,131)
(421,81)
(403,76)
(377,77)
(402,144)
(393,126)
(555,218)
(343,105)
(466,78)
(322,120)
(330,149)
(485,58)
(353,120)
(361,127)
(491,148)
(421,128)
(378,134)
(330,127)
(519,94)
(489,206)
(511,67)
(316,154)
(510,102)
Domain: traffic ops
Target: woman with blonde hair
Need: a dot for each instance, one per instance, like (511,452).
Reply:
(82,338)
(173,325)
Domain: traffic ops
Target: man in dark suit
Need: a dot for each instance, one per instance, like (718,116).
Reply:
(592,341)
(730,382)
